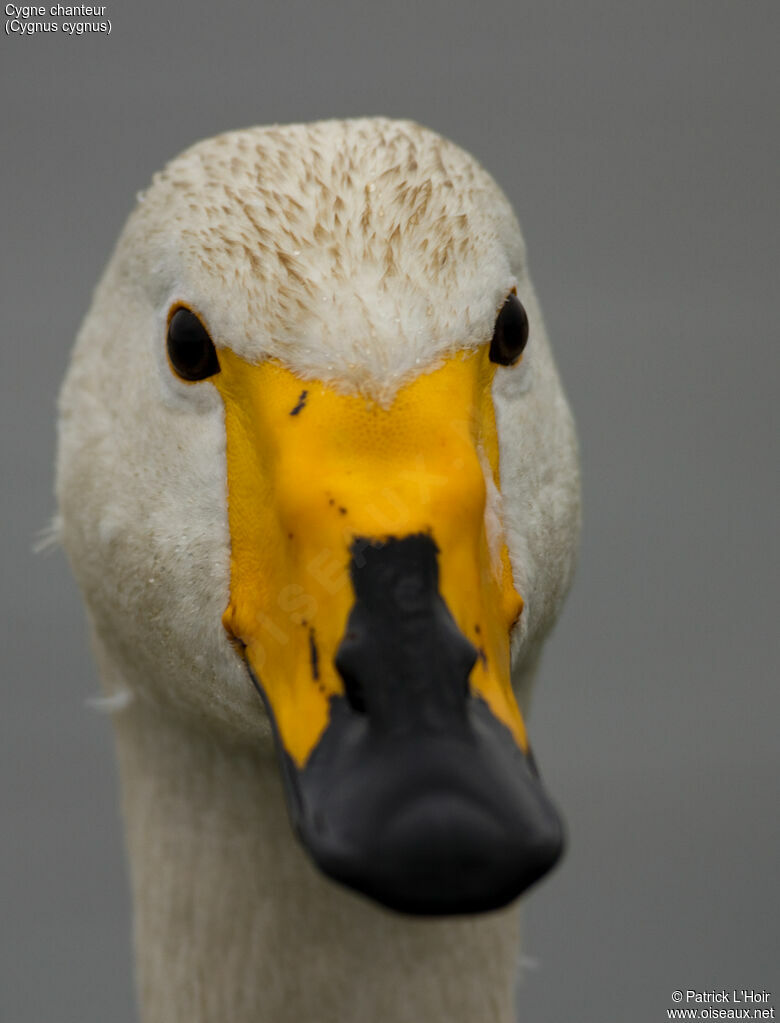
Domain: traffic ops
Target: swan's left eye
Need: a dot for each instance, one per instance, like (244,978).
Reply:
(510,334)
(190,349)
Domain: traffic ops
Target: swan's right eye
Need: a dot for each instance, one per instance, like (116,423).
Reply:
(190,349)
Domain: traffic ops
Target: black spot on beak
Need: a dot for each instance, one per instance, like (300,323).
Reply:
(301,403)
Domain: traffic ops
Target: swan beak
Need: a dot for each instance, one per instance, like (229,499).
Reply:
(374,607)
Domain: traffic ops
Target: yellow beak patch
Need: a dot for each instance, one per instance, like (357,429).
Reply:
(309,470)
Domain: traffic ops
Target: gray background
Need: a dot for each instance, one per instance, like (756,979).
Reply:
(639,144)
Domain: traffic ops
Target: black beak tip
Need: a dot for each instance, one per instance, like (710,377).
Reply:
(436,826)
(461,864)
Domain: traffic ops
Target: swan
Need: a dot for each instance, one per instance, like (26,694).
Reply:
(322,504)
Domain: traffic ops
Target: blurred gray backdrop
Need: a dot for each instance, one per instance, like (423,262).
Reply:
(639,144)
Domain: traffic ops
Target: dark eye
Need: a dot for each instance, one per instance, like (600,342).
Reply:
(190,349)
(510,333)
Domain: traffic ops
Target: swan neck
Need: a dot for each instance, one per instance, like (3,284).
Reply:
(231,921)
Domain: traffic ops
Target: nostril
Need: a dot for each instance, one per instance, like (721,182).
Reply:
(354,692)
(353,687)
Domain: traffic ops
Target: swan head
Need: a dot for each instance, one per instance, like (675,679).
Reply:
(317,492)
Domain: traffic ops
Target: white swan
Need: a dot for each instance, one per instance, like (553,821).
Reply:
(299,448)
